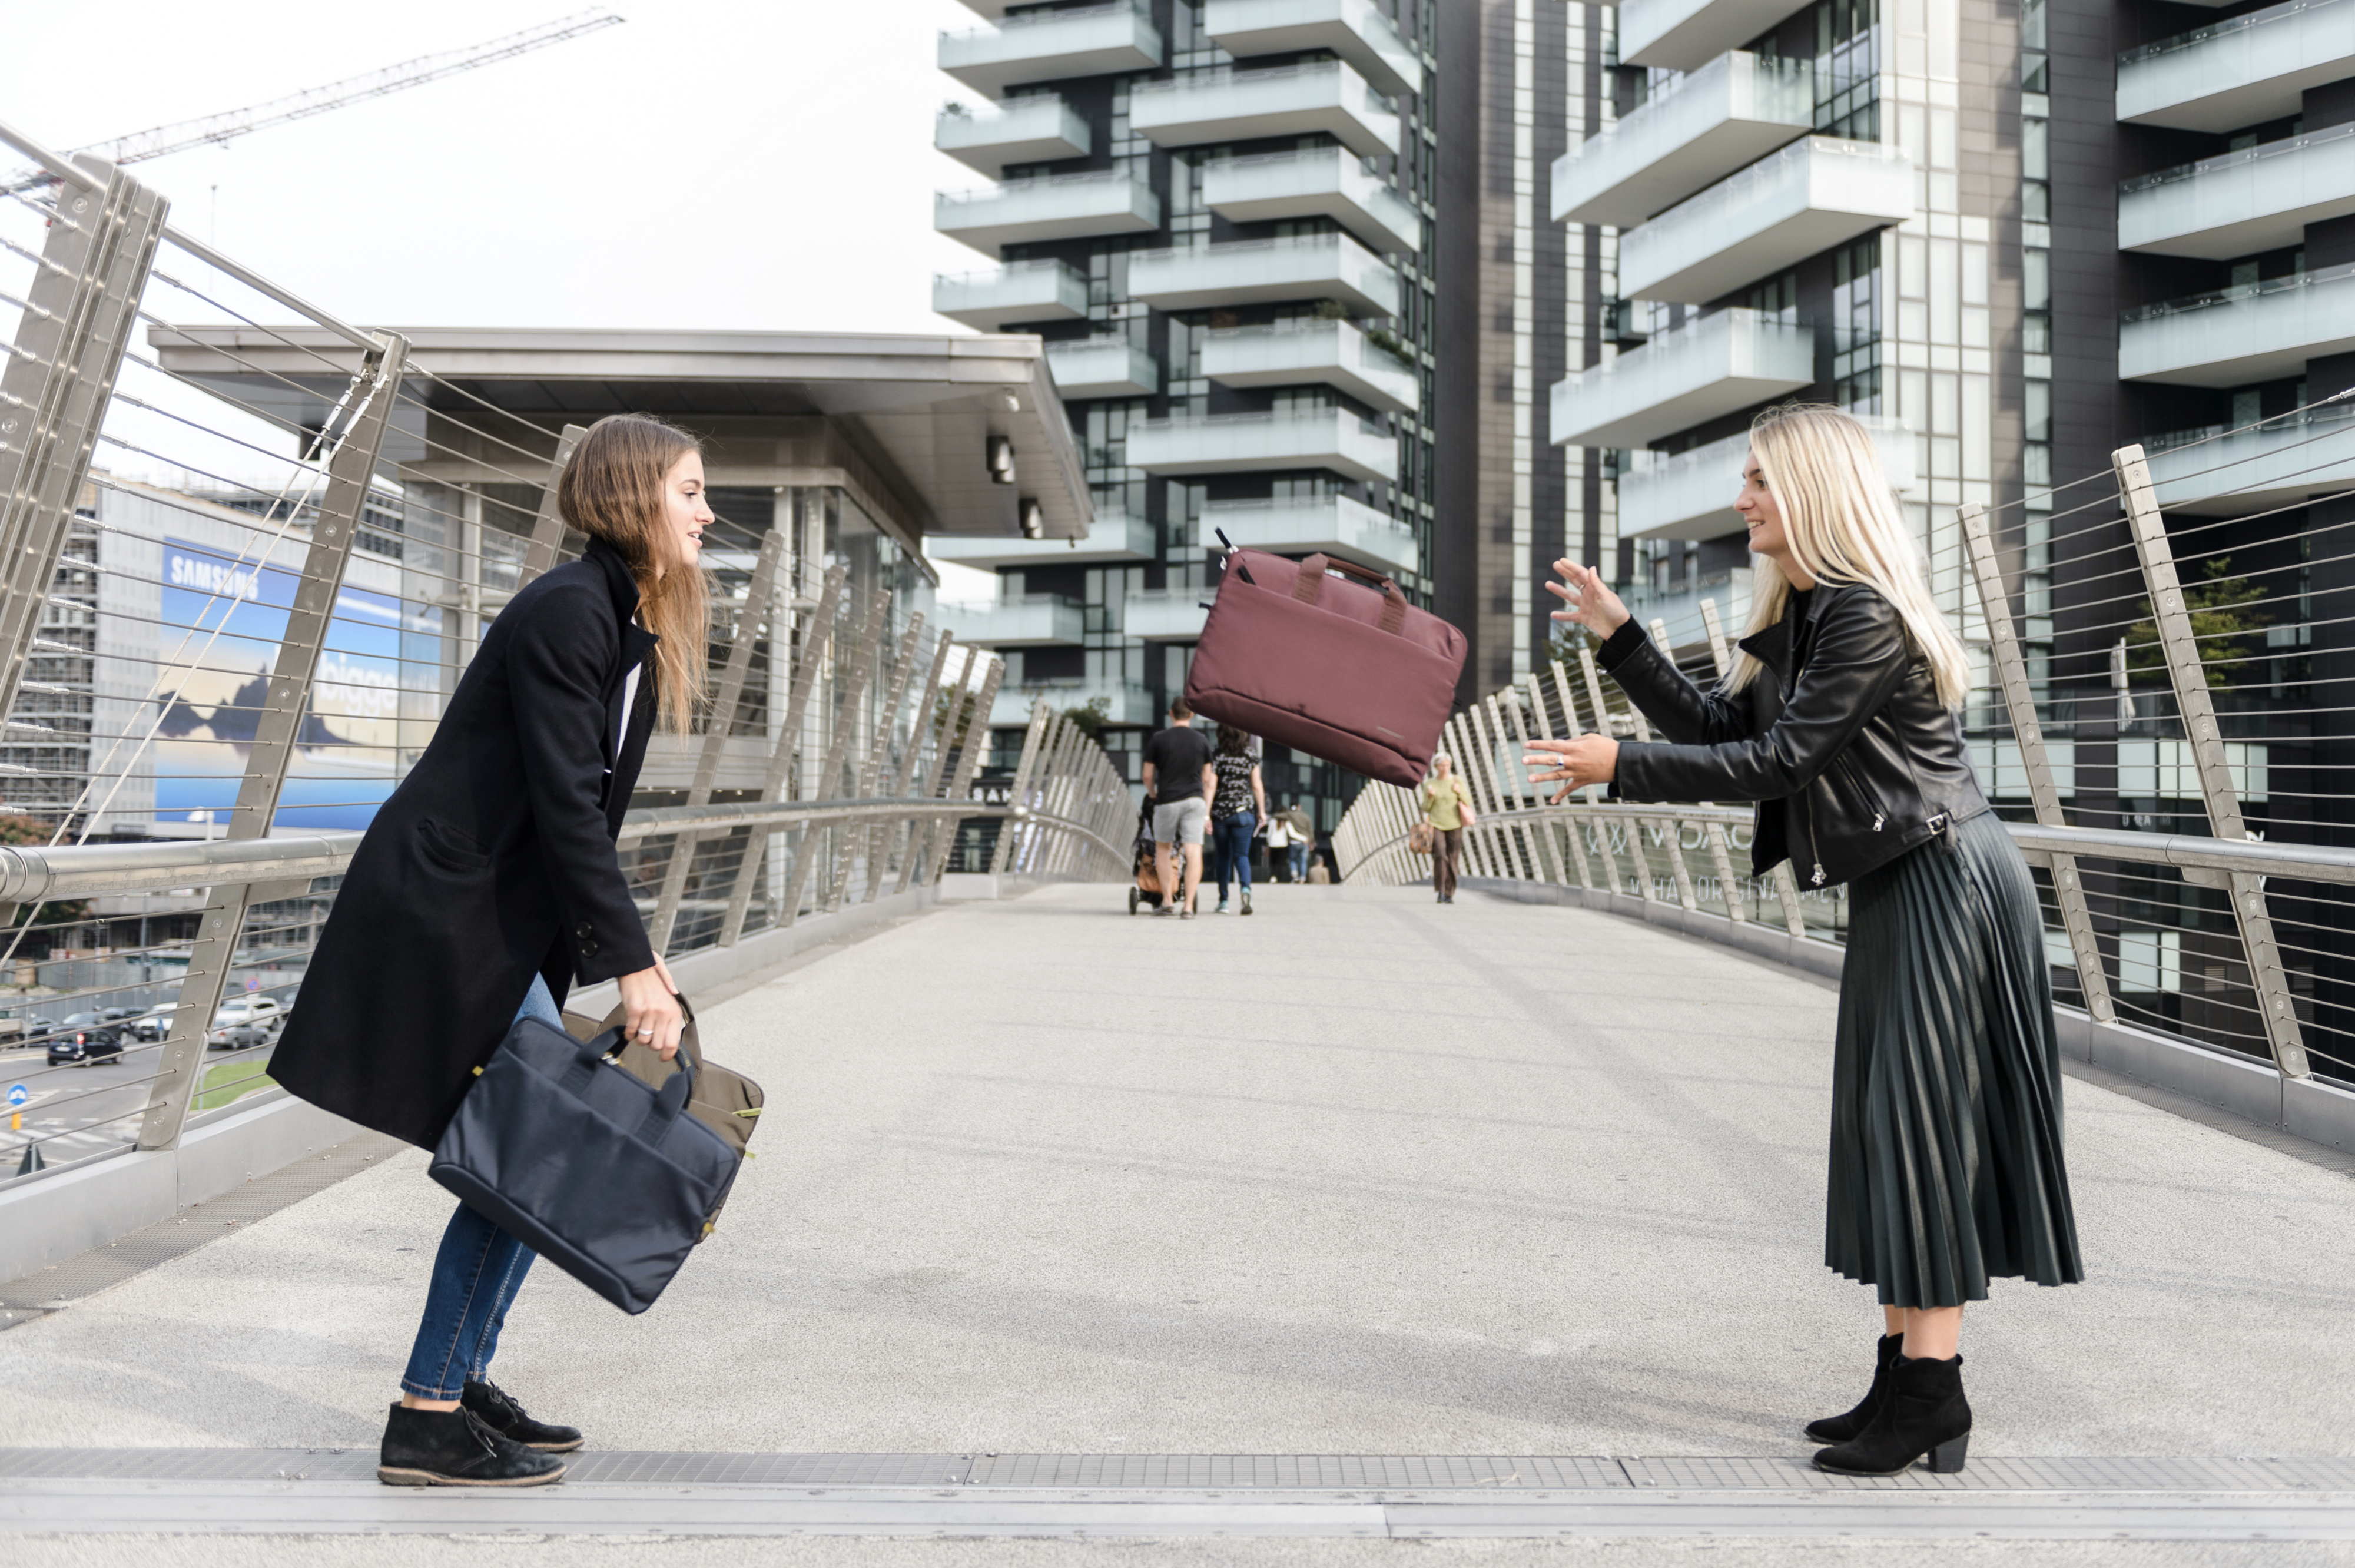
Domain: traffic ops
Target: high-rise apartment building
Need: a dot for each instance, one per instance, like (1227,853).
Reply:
(1220,216)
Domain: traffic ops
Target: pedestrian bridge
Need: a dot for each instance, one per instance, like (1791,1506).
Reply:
(1359,1217)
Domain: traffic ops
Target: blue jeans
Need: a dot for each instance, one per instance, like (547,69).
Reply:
(476,1274)
(1233,838)
(1299,862)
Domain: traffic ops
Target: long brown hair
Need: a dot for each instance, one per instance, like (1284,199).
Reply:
(612,490)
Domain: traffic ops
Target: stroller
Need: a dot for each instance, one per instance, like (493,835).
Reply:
(1155,884)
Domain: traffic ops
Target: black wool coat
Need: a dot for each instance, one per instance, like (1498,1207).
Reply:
(494,860)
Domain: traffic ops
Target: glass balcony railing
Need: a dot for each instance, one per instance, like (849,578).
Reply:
(1354,30)
(1033,621)
(1718,365)
(1061,207)
(1323,182)
(1103,368)
(1023,130)
(1691,133)
(2222,472)
(1114,536)
(1232,105)
(1052,46)
(1686,35)
(1120,702)
(2244,71)
(1676,601)
(1017,292)
(1331,439)
(1299,353)
(1164,614)
(1691,496)
(1334,525)
(2248,333)
(1800,202)
(2260,198)
(1266,272)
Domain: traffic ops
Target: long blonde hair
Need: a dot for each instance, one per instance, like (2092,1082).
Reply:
(612,490)
(1841,519)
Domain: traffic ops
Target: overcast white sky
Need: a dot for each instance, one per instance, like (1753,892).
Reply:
(763,164)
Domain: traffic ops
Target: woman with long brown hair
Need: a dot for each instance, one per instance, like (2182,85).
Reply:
(488,885)
(1840,720)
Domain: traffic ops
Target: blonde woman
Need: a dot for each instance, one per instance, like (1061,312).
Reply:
(1840,720)
(1448,812)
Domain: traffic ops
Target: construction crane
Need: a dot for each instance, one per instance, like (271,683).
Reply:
(216,129)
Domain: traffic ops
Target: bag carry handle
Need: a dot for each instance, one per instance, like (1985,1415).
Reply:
(1309,586)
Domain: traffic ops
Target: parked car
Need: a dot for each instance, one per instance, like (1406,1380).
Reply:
(154,1024)
(84,1038)
(244,1022)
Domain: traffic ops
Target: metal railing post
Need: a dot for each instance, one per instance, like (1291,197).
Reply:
(1545,733)
(83,306)
(974,743)
(1602,726)
(1786,890)
(870,761)
(909,761)
(779,780)
(277,727)
(1509,856)
(920,838)
(2020,701)
(1718,857)
(759,600)
(1033,738)
(1572,730)
(2189,677)
(548,524)
(854,688)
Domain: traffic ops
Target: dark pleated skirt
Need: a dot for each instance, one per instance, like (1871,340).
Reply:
(1946,1167)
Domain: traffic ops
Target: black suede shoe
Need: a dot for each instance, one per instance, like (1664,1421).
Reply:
(1842,1428)
(1924,1416)
(498,1411)
(453,1448)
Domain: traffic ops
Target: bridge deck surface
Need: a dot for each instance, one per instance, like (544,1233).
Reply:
(1355,1175)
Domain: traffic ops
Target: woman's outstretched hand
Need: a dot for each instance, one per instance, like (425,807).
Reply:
(1587,600)
(1582,761)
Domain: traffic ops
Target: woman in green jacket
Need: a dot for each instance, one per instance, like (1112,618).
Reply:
(1447,811)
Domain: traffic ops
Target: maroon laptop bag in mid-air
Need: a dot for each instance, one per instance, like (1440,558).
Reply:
(1349,673)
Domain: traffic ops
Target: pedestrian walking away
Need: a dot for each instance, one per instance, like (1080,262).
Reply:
(1304,839)
(1178,780)
(1279,846)
(1840,720)
(1238,807)
(1447,808)
(488,885)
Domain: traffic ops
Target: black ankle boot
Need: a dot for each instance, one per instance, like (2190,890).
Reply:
(453,1448)
(498,1411)
(1924,1414)
(1842,1428)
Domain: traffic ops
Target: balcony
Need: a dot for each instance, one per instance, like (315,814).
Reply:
(1266,272)
(1226,104)
(1331,439)
(1324,182)
(2222,473)
(2240,71)
(1034,621)
(1063,206)
(1352,29)
(1691,496)
(1116,537)
(1695,132)
(1124,702)
(1103,368)
(1298,353)
(1022,291)
(1718,365)
(1686,35)
(1164,614)
(2252,332)
(2260,198)
(1333,525)
(1025,131)
(1677,603)
(1813,195)
(1051,46)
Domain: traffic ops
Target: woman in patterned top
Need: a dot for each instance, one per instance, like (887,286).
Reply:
(1237,809)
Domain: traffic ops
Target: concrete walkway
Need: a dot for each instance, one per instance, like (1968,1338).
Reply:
(1356,1174)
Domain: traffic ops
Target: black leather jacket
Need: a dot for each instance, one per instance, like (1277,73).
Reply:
(1852,765)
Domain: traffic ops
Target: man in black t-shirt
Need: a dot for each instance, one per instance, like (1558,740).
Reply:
(1178,779)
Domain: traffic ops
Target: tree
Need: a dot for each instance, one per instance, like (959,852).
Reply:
(2223,624)
(44,919)
(1090,717)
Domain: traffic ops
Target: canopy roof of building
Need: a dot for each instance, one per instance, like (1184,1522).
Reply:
(911,417)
